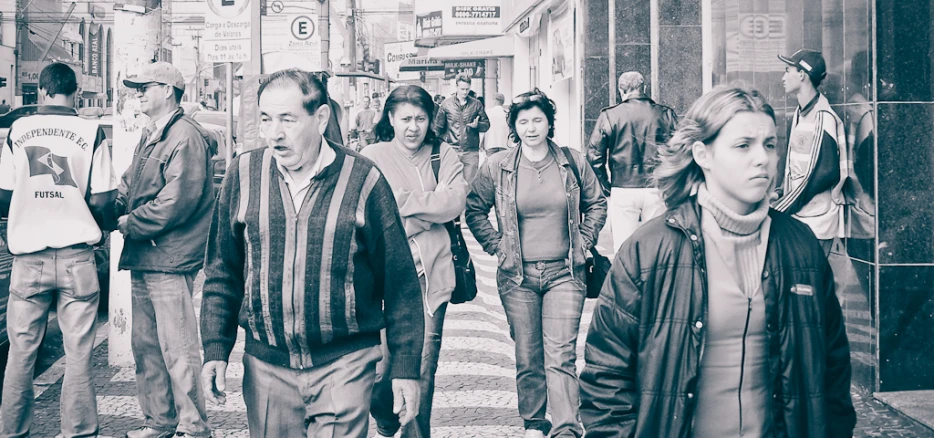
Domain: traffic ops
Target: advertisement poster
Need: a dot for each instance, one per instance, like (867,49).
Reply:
(428,25)
(396,53)
(561,41)
(474,67)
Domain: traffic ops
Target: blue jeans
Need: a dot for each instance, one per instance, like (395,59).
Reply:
(167,353)
(381,408)
(544,314)
(471,162)
(70,273)
(329,400)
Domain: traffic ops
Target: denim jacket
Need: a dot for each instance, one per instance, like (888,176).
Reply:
(495,185)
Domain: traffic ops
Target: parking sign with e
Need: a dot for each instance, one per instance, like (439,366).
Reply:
(303,27)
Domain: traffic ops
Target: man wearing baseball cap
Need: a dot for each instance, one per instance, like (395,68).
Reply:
(164,202)
(815,166)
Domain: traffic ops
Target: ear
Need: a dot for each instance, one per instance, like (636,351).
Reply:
(323,114)
(702,154)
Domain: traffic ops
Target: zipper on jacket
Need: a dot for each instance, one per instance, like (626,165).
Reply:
(742,363)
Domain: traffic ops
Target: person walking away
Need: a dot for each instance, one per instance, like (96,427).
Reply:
(165,201)
(699,330)
(57,188)
(307,253)
(4,107)
(364,123)
(405,155)
(816,163)
(496,139)
(548,220)
(624,142)
(459,122)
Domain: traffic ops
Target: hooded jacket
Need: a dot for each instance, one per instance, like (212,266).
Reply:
(646,340)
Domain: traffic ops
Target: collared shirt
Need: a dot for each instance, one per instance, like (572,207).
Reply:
(159,124)
(299,189)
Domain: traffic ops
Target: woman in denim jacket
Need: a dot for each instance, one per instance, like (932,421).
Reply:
(547,222)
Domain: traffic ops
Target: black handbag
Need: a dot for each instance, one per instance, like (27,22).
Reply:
(466,286)
(598,265)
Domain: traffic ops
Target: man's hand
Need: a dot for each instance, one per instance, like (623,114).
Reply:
(475,123)
(214,381)
(121,224)
(405,398)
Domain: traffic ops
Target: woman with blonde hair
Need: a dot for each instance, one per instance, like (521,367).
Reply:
(719,318)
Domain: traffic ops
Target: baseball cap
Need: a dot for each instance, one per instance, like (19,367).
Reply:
(158,72)
(809,61)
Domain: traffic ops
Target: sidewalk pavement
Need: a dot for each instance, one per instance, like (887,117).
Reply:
(475,387)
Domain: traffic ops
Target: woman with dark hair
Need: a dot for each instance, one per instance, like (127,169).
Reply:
(719,319)
(549,218)
(426,202)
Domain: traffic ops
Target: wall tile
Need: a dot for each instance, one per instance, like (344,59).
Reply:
(906,315)
(633,21)
(596,84)
(679,12)
(680,71)
(596,31)
(905,185)
(634,57)
(857,50)
(905,49)
(861,215)
(855,286)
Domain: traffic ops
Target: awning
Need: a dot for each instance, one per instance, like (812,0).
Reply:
(421,63)
(56,53)
(496,47)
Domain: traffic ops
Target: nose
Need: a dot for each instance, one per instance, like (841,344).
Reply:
(274,130)
(760,156)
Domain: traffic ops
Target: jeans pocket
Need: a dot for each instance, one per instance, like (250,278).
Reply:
(26,278)
(83,280)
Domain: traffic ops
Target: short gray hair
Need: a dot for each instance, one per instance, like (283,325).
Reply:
(630,81)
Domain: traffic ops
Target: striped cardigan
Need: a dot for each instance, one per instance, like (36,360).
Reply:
(310,286)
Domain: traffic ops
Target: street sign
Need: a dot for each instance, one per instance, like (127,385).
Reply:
(302,28)
(227,31)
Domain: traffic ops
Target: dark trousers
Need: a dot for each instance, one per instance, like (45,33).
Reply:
(387,422)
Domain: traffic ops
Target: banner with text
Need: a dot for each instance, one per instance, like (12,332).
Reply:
(442,18)
(396,53)
(476,68)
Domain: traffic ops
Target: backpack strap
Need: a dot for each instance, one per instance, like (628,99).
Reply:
(577,173)
(436,160)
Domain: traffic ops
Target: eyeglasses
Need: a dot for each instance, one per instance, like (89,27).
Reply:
(143,89)
(528,97)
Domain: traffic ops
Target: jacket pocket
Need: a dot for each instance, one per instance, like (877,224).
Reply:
(82,280)
(26,278)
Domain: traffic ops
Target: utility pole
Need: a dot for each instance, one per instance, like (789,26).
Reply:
(139,25)
(20,34)
(324,29)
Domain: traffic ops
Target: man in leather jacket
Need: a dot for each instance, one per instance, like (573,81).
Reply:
(624,142)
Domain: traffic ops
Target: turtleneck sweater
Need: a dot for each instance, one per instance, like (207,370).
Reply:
(738,238)
(733,395)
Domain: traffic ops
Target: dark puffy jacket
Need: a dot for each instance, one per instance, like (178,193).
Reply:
(625,140)
(451,123)
(646,340)
(168,193)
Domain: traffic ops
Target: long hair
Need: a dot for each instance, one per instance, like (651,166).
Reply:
(413,95)
(677,173)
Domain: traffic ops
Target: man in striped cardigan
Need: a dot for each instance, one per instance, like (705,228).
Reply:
(308,254)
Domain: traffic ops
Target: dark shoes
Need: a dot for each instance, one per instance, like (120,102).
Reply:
(148,432)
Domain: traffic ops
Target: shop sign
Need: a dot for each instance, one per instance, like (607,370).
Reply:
(752,46)
(396,53)
(96,54)
(475,68)
(473,17)
(428,25)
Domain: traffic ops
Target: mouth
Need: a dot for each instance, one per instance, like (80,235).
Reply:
(280,148)
(411,137)
(761,176)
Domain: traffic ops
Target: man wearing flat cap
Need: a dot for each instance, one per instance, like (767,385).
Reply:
(164,203)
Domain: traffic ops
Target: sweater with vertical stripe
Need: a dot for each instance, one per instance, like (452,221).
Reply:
(312,285)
